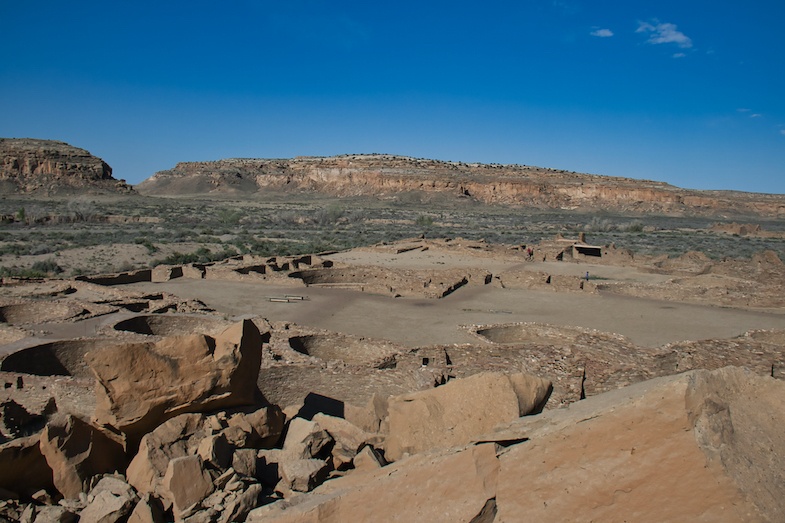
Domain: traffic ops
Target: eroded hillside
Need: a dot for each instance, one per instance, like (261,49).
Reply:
(520,185)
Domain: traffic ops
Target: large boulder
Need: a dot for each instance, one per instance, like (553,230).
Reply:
(426,487)
(23,468)
(76,452)
(111,500)
(141,385)
(460,410)
(185,483)
(179,437)
(700,446)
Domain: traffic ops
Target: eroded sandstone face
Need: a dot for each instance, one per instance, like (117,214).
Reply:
(539,187)
(140,385)
(30,166)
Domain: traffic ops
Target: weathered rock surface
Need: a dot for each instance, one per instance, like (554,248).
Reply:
(140,385)
(44,166)
(454,413)
(76,451)
(687,447)
(23,468)
(506,184)
(111,500)
(176,438)
(452,487)
(186,483)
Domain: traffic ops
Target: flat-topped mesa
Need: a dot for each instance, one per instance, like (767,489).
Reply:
(30,165)
(387,175)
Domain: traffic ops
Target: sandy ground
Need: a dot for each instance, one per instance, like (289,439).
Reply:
(419,322)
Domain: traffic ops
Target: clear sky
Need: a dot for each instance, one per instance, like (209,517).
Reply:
(687,92)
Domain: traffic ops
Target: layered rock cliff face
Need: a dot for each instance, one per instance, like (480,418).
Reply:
(44,166)
(386,175)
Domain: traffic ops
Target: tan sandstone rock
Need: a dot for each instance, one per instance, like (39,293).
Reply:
(76,452)
(180,436)
(111,500)
(455,413)
(141,385)
(302,475)
(186,483)
(348,438)
(427,487)
(632,454)
(305,439)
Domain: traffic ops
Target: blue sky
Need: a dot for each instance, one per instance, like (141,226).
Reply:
(687,92)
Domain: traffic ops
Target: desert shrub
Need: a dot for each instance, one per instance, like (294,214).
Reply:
(229,217)
(46,267)
(151,248)
(82,210)
(424,220)
(633,226)
(201,255)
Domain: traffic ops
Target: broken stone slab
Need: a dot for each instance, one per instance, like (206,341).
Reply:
(368,458)
(176,438)
(241,504)
(303,475)
(434,486)
(141,385)
(305,439)
(185,483)
(216,450)
(110,500)
(653,441)
(348,438)
(370,416)
(147,510)
(245,462)
(262,427)
(54,514)
(267,466)
(77,451)
(453,414)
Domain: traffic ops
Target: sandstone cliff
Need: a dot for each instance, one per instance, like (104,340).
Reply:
(44,166)
(386,175)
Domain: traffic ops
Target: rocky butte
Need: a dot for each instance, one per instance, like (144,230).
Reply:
(384,175)
(47,167)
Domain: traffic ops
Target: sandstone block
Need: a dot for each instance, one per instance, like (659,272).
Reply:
(245,462)
(238,508)
(76,452)
(305,439)
(427,487)
(264,425)
(641,445)
(368,459)
(302,475)
(178,437)
(186,483)
(147,510)
(216,450)
(140,385)
(54,514)
(110,500)
(452,414)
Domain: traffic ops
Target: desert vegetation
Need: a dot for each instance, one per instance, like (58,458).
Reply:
(146,231)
